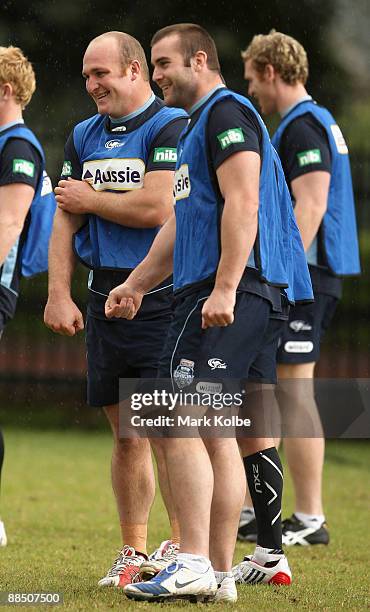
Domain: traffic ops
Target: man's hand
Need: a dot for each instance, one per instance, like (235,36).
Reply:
(123,301)
(63,317)
(76,197)
(218,310)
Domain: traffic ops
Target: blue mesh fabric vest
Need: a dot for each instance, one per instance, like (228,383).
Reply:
(339,231)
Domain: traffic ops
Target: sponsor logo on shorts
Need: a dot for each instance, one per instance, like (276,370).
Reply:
(114,144)
(230,137)
(298,326)
(47,187)
(67,168)
(117,174)
(216,363)
(339,139)
(165,155)
(23,166)
(313,156)
(184,373)
(209,387)
(298,347)
(182,186)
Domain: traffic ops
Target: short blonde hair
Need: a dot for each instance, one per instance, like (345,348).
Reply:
(283,52)
(130,50)
(17,70)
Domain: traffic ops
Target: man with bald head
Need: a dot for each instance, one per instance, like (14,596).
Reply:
(115,193)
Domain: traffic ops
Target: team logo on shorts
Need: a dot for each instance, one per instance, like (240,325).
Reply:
(184,373)
(216,363)
(298,326)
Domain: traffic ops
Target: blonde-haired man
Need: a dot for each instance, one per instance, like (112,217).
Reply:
(27,203)
(315,160)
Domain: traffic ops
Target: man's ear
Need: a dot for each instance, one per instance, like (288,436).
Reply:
(269,73)
(199,60)
(135,69)
(6,91)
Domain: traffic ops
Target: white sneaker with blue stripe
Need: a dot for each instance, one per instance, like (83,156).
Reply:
(176,581)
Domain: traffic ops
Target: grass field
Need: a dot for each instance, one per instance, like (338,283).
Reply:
(62,527)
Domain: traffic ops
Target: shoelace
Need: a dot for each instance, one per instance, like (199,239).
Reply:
(124,560)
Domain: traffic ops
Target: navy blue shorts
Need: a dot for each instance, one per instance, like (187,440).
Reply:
(244,350)
(117,349)
(303,332)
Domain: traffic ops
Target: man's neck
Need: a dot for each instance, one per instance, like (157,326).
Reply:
(290,95)
(138,99)
(205,89)
(10,114)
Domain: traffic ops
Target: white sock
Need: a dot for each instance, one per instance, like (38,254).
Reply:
(221,575)
(262,555)
(310,520)
(197,563)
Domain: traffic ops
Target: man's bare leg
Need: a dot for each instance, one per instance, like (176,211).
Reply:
(190,478)
(305,455)
(166,493)
(228,495)
(133,483)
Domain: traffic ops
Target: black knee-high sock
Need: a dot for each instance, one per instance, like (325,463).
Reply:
(265,480)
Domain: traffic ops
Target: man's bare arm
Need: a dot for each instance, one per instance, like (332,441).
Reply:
(238,179)
(310,192)
(61,313)
(149,206)
(15,201)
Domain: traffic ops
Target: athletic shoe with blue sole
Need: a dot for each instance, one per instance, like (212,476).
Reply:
(175,582)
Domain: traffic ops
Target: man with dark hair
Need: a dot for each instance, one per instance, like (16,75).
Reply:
(115,193)
(315,160)
(27,203)
(229,267)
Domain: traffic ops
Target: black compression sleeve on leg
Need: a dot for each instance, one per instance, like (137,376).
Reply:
(265,480)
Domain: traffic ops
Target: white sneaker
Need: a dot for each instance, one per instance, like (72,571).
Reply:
(271,572)
(163,556)
(175,582)
(3,538)
(124,570)
(158,552)
(226,590)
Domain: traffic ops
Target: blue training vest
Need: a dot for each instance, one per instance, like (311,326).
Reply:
(34,256)
(280,260)
(116,162)
(338,226)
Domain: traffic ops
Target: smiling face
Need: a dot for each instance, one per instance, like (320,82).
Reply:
(261,86)
(107,82)
(177,81)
